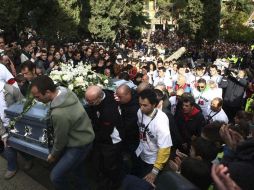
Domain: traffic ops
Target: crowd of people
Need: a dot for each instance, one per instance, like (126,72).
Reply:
(188,115)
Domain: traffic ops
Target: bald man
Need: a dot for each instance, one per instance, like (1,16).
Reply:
(107,123)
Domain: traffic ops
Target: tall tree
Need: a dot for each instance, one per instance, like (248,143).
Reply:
(234,14)
(9,14)
(211,19)
(192,19)
(168,9)
(110,16)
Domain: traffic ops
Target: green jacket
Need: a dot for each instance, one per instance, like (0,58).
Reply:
(72,126)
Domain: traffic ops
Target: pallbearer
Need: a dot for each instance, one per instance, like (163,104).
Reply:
(73,133)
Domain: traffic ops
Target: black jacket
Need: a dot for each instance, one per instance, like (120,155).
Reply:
(234,90)
(105,117)
(191,126)
(241,165)
(130,118)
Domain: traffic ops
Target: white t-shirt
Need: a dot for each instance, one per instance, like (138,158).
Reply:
(173,102)
(194,79)
(216,93)
(214,116)
(203,99)
(166,81)
(157,136)
(5,75)
(216,78)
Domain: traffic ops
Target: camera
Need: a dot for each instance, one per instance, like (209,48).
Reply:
(230,71)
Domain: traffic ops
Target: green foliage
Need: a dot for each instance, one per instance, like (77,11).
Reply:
(234,14)
(9,13)
(169,8)
(200,20)
(192,19)
(211,19)
(110,16)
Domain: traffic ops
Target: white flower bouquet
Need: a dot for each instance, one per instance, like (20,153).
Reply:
(78,78)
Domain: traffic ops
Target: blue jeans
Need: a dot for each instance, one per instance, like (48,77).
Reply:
(10,155)
(71,161)
(131,182)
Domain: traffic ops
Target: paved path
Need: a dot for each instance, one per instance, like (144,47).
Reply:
(23,180)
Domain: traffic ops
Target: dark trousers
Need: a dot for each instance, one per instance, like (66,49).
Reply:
(107,160)
(129,156)
(231,112)
(141,168)
(71,161)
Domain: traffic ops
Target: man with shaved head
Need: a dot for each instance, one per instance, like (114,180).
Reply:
(128,104)
(142,86)
(107,124)
(94,95)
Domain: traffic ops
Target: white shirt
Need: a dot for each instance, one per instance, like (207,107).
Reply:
(157,136)
(203,99)
(216,116)
(216,78)
(216,93)
(173,102)
(166,81)
(194,79)
(5,75)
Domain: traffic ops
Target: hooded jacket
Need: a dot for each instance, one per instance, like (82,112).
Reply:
(72,126)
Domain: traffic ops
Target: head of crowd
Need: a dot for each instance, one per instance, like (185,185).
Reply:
(204,97)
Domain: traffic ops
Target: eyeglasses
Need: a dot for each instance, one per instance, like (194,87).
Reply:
(202,87)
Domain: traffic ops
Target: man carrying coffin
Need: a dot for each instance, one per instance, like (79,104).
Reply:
(73,133)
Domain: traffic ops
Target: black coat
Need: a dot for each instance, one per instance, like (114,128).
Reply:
(192,126)
(130,119)
(105,117)
(234,90)
(241,164)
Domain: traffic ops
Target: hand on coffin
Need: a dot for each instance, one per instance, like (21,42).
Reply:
(51,159)
(5,141)
(150,178)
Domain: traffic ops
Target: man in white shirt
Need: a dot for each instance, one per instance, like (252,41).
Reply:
(215,112)
(200,74)
(215,91)
(214,74)
(202,95)
(155,140)
(163,79)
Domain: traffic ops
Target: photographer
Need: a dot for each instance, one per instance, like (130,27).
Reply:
(234,84)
